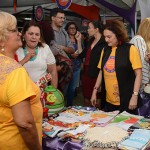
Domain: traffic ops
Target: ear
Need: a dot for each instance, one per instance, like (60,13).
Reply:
(53,18)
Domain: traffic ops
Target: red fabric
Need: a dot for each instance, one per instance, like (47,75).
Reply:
(16,57)
(89,12)
(15,5)
(88,84)
(87,58)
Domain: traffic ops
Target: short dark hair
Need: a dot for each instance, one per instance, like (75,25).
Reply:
(71,23)
(118,28)
(54,12)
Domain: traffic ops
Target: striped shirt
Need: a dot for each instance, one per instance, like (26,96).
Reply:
(140,44)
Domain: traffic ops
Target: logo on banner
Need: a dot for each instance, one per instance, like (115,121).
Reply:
(63,4)
(39,13)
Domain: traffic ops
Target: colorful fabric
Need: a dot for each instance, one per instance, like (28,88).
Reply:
(16,86)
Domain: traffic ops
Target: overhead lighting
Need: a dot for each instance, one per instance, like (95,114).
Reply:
(27,18)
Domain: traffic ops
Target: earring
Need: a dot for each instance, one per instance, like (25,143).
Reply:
(2,49)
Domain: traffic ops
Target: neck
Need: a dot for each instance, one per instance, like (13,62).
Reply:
(55,27)
(8,54)
(97,36)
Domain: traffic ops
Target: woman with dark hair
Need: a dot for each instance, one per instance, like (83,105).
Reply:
(92,55)
(120,70)
(75,38)
(35,55)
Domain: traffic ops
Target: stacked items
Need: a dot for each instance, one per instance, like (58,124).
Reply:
(125,120)
(138,140)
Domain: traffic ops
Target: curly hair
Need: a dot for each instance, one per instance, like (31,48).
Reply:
(118,28)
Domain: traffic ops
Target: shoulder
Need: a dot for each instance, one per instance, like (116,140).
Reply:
(136,38)
(7,66)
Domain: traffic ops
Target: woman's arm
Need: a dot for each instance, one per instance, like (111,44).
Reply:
(27,58)
(53,71)
(137,84)
(79,43)
(96,87)
(25,122)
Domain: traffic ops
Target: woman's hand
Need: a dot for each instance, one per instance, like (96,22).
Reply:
(133,102)
(27,58)
(78,36)
(74,55)
(94,97)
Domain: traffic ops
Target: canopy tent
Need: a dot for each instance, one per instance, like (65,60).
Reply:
(127,9)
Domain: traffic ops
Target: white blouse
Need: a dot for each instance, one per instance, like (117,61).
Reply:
(140,44)
(38,67)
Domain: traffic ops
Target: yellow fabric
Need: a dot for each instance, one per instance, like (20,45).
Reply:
(111,84)
(15,86)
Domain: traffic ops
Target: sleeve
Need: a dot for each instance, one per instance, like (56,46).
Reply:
(20,86)
(135,57)
(140,44)
(69,44)
(100,61)
(50,59)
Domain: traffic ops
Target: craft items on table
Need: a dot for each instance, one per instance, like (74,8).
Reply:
(94,128)
(138,140)
(125,120)
(101,118)
(103,137)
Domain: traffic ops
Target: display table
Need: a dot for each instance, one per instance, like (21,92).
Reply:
(75,121)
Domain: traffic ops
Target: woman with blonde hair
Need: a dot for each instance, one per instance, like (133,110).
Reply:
(142,41)
(20,106)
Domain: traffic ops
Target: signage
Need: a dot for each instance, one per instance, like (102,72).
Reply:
(39,13)
(63,4)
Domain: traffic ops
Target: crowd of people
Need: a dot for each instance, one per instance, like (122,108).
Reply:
(115,73)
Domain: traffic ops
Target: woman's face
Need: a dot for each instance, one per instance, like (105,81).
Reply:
(72,29)
(91,30)
(13,40)
(32,36)
(110,38)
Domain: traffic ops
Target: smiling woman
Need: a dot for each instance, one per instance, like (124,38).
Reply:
(19,117)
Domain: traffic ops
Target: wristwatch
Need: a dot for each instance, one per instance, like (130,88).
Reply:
(135,93)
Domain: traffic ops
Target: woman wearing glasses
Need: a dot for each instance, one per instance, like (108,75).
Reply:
(20,122)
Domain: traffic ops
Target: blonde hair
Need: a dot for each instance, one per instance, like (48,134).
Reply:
(8,22)
(143,31)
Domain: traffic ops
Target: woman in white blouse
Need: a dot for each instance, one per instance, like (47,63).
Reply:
(35,55)
(142,42)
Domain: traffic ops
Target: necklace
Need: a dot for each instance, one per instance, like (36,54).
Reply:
(33,58)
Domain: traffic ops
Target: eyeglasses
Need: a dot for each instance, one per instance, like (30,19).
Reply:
(61,18)
(72,28)
(14,30)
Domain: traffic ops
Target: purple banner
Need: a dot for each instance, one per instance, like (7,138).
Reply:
(129,15)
